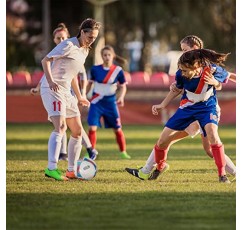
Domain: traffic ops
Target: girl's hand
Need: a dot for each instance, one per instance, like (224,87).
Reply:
(53,86)
(83,102)
(120,102)
(209,79)
(156,109)
(34,91)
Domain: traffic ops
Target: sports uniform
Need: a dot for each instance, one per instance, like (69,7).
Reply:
(67,56)
(198,102)
(103,101)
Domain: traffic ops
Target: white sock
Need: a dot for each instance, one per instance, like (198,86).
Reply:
(74,149)
(54,146)
(230,167)
(63,148)
(85,139)
(150,163)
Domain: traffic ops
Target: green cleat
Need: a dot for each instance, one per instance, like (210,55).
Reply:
(124,155)
(55,173)
(138,173)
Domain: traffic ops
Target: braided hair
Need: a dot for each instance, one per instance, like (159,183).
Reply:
(192,40)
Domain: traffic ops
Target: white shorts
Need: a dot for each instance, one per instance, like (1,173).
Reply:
(60,103)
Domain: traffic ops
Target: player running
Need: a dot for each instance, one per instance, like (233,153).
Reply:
(196,70)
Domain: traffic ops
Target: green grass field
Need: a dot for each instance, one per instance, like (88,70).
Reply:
(188,196)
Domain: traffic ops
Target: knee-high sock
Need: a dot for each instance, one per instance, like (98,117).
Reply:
(150,163)
(85,139)
(74,149)
(218,155)
(93,138)
(160,156)
(54,146)
(230,167)
(63,148)
(120,139)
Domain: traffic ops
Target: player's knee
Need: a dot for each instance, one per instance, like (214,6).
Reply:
(162,144)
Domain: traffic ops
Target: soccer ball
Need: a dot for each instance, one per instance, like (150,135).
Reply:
(86,169)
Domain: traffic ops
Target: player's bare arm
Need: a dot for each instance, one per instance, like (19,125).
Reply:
(170,96)
(46,63)
(82,101)
(120,99)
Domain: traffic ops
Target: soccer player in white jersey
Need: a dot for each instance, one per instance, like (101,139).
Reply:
(61,67)
(60,34)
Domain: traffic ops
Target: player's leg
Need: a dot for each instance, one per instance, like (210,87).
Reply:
(55,106)
(159,151)
(121,141)
(217,149)
(230,166)
(54,145)
(74,144)
(92,153)
(63,151)
(94,116)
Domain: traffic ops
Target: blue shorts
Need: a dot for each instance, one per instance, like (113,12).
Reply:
(107,110)
(184,117)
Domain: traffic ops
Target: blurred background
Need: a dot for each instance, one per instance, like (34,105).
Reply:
(145,32)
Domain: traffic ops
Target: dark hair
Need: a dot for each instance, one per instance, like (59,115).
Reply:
(119,59)
(192,40)
(61,27)
(203,57)
(88,25)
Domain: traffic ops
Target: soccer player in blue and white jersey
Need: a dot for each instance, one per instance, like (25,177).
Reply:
(198,103)
(104,103)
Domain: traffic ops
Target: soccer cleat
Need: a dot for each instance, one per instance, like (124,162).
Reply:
(156,173)
(224,179)
(124,155)
(138,173)
(70,175)
(55,173)
(92,153)
(63,157)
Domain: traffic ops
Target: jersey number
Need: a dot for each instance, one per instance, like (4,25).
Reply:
(57,105)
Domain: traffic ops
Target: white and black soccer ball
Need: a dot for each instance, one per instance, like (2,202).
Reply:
(86,169)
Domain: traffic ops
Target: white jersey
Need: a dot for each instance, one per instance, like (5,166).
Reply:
(68,59)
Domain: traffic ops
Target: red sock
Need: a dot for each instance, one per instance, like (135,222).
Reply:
(160,156)
(93,138)
(120,139)
(218,155)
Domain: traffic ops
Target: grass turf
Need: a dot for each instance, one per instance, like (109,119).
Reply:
(187,197)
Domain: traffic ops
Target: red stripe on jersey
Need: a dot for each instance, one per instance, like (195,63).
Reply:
(108,75)
(201,82)
(184,101)
(95,96)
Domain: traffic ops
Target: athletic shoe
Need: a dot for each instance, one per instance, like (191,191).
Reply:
(224,179)
(124,155)
(63,157)
(156,173)
(56,174)
(92,153)
(70,175)
(138,173)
